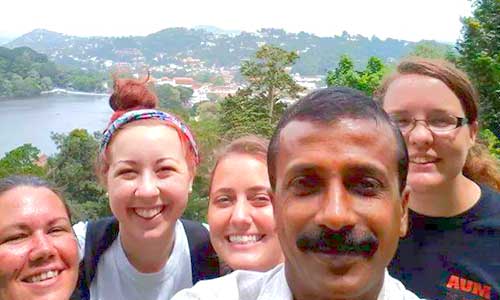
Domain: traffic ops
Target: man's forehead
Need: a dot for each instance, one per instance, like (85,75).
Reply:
(308,132)
(364,140)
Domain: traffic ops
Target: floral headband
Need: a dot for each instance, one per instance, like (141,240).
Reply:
(144,114)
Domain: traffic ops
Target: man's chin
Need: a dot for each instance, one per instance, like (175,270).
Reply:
(338,264)
(351,285)
(348,277)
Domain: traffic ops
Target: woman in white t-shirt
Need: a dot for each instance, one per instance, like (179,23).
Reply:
(147,163)
(240,210)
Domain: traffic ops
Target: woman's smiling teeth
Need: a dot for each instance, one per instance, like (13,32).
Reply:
(245,239)
(148,213)
(422,160)
(43,276)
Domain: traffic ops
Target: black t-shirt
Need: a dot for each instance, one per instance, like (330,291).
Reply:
(455,258)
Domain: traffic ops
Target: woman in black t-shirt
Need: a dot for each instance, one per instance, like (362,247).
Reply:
(451,251)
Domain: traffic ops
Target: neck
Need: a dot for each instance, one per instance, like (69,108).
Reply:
(446,200)
(148,255)
(370,296)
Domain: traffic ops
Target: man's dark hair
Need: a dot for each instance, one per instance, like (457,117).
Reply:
(326,106)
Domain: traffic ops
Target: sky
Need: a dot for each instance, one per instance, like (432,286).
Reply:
(411,20)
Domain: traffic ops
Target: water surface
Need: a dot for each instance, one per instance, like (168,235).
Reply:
(31,120)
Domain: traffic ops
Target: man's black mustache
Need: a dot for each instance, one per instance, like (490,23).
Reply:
(343,241)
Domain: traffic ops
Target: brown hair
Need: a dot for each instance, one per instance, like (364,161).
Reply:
(252,145)
(133,94)
(480,165)
(14,181)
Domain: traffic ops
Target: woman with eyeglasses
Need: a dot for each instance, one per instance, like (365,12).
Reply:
(451,251)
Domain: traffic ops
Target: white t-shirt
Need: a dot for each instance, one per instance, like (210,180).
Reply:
(118,279)
(271,285)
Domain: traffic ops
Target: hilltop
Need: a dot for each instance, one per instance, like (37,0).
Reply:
(207,46)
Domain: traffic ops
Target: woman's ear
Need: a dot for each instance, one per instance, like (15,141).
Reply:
(190,185)
(473,129)
(102,174)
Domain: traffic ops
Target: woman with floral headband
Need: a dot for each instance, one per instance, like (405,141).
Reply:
(147,163)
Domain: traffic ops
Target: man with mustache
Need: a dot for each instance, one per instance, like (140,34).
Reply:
(338,170)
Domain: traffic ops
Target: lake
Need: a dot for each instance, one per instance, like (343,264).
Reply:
(31,120)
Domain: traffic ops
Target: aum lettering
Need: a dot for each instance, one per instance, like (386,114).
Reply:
(469,286)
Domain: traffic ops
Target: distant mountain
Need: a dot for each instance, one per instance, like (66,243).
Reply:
(25,72)
(217,30)
(5,39)
(212,46)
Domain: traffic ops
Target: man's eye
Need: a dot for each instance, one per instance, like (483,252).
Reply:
(304,185)
(368,187)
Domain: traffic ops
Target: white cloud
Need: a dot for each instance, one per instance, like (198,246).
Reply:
(402,19)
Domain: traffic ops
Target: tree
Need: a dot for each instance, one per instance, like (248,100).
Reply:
(258,107)
(174,99)
(269,78)
(480,57)
(25,87)
(218,81)
(367,80)
(206,127)
(434,50)
(241,114)
(185,94)
(203,76)
(492,141)
(72,168)
(21,161)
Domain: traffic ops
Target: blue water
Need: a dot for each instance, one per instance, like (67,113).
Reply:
(31,120)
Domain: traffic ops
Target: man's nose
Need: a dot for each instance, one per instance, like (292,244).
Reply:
(336,209)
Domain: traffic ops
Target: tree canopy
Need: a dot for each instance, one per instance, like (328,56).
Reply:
(25,72)
(72,168)
(367,80)
(22,161)
(257,107)
(479,50)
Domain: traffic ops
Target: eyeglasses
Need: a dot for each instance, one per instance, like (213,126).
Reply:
(439,123)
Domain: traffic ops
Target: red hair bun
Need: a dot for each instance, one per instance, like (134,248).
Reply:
(130,94)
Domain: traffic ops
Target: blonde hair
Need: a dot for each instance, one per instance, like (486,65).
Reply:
(252,145)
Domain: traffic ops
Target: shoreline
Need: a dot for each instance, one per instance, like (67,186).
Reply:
(68,92)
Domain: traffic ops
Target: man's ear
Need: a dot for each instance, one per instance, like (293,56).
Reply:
(405,198)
